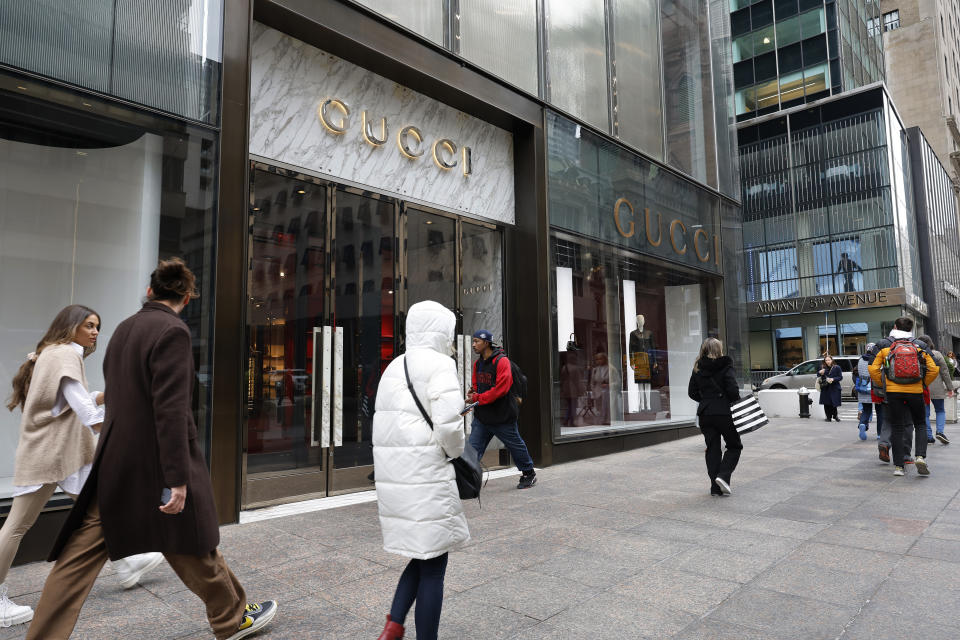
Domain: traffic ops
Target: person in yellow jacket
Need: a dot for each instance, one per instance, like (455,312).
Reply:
(904,400)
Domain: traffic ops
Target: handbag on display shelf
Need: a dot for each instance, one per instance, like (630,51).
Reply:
(467,467)
(572,343)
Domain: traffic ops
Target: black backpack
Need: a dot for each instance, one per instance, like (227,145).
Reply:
(519,387)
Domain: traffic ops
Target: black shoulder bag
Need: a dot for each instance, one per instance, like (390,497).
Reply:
(467,467)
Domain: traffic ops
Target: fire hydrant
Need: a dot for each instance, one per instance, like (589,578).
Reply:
(805,402)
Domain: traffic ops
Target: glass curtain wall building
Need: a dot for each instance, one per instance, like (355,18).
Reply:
(830,240)
(790,52)
(938,239)
(653,75)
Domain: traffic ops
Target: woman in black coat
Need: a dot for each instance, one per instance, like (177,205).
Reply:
(714,385)
(830,376)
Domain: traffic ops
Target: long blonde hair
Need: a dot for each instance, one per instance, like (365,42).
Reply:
(711,348)
(62,330)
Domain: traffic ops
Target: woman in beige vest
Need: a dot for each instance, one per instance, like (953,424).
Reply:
(57,440)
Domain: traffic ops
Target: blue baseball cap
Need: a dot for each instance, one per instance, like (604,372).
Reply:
(483,334)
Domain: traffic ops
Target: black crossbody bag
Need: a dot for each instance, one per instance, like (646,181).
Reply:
(467,467)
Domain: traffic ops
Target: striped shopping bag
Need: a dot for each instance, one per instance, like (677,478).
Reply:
(747,414)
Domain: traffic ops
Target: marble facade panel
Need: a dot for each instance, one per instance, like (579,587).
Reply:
(289,81)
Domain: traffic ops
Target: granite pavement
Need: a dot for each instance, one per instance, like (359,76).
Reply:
(818,540)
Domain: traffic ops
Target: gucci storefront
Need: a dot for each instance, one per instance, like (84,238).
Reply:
(339,167)
(365,198)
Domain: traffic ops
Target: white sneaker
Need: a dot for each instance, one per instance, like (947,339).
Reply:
(723,484)
(10,612)
(922,467)
(898,471)
(132,568)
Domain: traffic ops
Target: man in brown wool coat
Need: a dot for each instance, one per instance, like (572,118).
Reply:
(149,489)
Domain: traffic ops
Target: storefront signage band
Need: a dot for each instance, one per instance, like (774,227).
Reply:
(701,243)
(832,302)
(334,115)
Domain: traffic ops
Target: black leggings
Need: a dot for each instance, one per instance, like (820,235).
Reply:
(422,581)
(830,411)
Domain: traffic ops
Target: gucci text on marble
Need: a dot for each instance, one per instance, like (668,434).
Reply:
(334,115)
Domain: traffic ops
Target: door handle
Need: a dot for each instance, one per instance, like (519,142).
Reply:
(460,360)
(320,413)
(338,386)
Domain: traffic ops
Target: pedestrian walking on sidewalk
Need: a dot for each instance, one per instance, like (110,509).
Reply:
(713,384)
(864,390)
(830,376)
(498,410)
(940,388)
(149,488)
(903,369)
(57,440)
(421,516)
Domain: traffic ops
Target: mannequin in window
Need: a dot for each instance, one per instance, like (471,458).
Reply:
(642,344)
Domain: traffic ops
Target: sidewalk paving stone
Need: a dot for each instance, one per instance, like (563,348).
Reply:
(818,540)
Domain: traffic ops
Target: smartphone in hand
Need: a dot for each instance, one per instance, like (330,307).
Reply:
(467,409)
(165,496)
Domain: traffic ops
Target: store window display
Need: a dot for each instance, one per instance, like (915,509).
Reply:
(627,333)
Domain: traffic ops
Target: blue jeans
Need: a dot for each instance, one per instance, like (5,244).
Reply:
(509,435)
(941,416)
(421,581)
(866,412)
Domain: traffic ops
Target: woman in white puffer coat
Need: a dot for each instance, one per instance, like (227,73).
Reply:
(421,515)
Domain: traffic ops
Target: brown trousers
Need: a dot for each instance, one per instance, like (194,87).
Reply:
(80,562)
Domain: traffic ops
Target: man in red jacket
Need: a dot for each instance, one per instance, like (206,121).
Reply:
(497,411)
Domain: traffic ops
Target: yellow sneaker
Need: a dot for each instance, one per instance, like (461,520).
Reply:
(255,617)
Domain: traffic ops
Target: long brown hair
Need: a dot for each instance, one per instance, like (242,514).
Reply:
(711,348)
(62,331)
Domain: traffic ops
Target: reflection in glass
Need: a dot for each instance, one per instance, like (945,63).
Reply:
(111,47)
(813,23)
(688,90)
(364,307)
(746,100)
(424,17)
(481,279)
(431,258)
(88,204)
(577,60)
(743,47)
(816,78)
(637,53)
(791,86)
(501,36)
(767,94)
(285,284)
(788,31)
(763,41)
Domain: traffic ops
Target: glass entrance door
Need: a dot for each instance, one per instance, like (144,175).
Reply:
(365,231)
(286,281)
(332,271)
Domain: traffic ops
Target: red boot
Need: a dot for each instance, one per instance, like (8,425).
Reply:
(391,631)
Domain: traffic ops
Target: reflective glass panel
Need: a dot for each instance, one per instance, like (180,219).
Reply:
(767,94)
(743,48)
(577,60)
(746,100)
(639,114)
(788,31)
(791,86)
(424,17)
(688,89)
(813,23)
(111,47)
(763,41)
(501,36)
(91,195)
(816,78)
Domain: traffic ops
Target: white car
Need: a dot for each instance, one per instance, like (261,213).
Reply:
(805,375)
